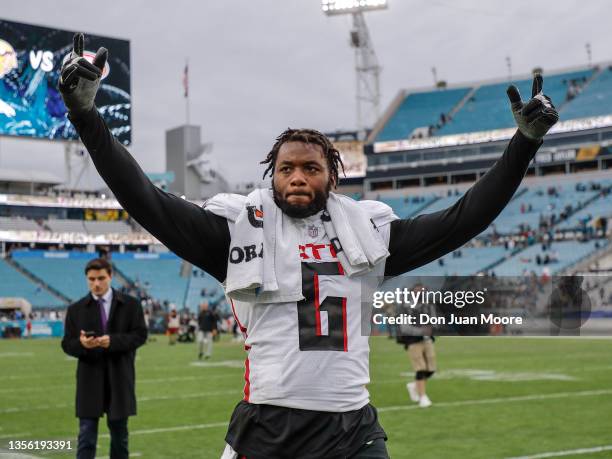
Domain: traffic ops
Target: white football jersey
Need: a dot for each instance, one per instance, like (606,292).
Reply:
(312,354)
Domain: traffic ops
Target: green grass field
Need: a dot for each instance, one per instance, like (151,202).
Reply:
(493,398)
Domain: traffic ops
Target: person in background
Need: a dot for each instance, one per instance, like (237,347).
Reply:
(419,343)
(147,319)
(174,324)
(235,335)
(103,330)
(216,330)
(29,326)
(192,327)
(207,328)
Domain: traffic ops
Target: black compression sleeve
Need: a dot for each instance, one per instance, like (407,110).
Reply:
(191,232)
(417,241)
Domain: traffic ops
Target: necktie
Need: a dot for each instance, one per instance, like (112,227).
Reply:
(102,314)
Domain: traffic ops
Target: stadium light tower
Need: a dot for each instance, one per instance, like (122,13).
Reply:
(366,63)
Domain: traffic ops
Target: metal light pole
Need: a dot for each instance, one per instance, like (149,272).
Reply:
(367,69)
(589,55)
(509,66)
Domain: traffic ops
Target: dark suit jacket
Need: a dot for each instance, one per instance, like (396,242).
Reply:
(105,377)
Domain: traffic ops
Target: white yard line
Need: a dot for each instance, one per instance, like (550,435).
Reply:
(139,399)
(174,429)
(409,376)
(34,389)
(4,454)
(188,396)
(15,436)
(131,455)
(487,401)
(568,452)
(407,407)
(383,409)
(202,377)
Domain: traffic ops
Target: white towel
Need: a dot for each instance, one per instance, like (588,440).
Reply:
(362,246)
(265,243)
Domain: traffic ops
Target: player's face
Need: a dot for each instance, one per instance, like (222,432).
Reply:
(98,281)
(301,179)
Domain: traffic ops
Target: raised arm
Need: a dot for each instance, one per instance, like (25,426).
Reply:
(191,232)
(418,241)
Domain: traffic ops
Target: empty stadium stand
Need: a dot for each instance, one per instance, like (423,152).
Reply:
(442,203)
(15,284)
(60,225)
(484,107)
(202,286)
(600,207)
(101,227)
(62,270)
(528,205)
(595,100)
(536,202)
(420,109)
(472,261)
(19,224)
(159,274)
(488,107)
(534,199)
(564,253)
(408,206)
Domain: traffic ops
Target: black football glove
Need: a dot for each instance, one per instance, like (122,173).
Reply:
(537,116)
(80,79)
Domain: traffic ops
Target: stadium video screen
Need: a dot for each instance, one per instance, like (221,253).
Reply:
(30,61)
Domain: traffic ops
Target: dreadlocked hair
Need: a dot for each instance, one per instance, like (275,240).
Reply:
(309,136)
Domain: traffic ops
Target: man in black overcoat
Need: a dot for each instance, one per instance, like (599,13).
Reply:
(103,330)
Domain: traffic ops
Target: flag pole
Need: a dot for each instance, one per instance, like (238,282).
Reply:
(186,89)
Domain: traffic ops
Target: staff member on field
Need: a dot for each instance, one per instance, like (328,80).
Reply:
(103,330)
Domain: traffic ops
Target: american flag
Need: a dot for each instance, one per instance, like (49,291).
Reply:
(186,80)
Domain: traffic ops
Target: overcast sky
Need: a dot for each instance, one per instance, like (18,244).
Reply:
(258,67)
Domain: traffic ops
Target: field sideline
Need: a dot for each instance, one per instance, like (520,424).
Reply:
(493,398)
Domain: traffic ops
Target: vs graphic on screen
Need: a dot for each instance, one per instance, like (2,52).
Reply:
(30,61)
